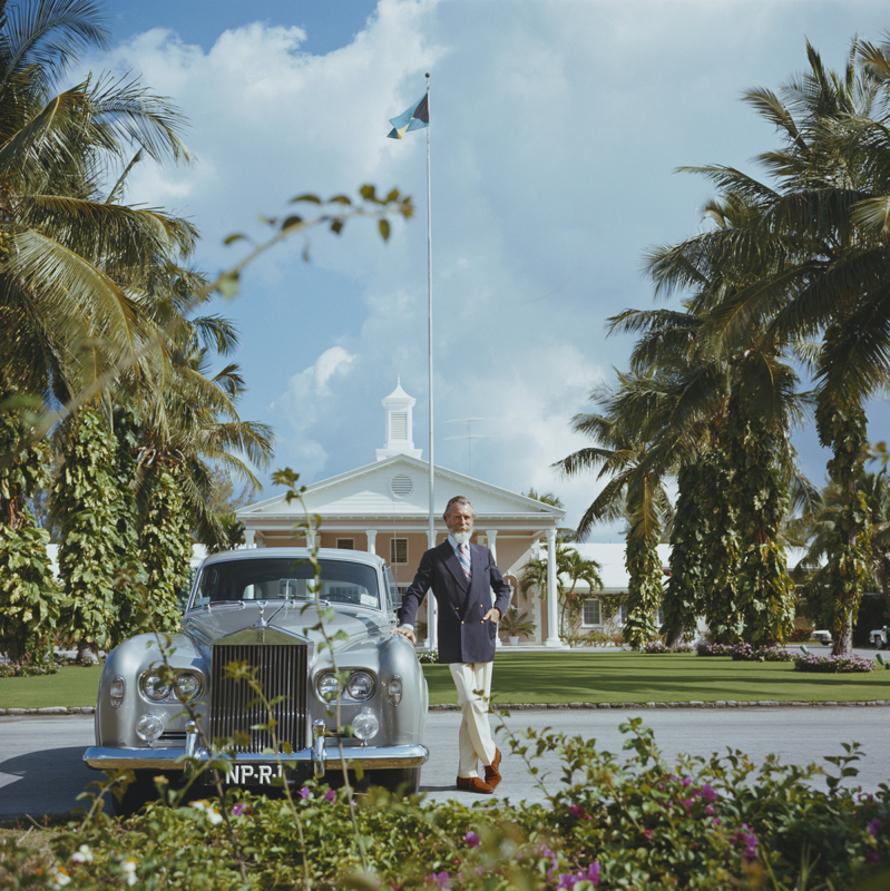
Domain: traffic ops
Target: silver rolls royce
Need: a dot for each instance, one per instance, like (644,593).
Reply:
(259,610)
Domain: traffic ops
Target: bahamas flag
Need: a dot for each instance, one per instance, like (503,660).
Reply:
(415,118)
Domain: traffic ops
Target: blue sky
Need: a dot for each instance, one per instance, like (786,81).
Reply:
(557,126)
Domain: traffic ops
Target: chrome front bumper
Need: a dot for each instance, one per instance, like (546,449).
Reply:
(320,758)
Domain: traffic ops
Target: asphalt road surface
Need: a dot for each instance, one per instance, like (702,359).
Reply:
(41,771)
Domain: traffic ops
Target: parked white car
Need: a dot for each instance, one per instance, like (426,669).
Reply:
(880,638)
(823,635)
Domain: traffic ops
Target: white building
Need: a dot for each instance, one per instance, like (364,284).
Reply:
(382,507)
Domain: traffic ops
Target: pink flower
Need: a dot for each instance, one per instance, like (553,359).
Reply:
(576,810)
(647,834)
(687,803)
(709,810)
(708,793)
(330,795)
(715,822)
(441,879)
(472,839)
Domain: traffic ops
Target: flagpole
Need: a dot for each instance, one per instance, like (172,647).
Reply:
(431,532)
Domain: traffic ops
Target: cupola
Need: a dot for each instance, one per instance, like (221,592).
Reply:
(399,410)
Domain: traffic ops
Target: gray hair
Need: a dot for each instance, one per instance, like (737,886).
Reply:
(458,499)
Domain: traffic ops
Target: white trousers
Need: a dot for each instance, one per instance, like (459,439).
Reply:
(473,683)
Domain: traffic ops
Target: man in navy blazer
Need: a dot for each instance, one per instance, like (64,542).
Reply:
(462,576)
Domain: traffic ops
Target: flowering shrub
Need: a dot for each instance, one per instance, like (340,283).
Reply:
(629,821)
(746,653)
(427,657)
(703,648)
(658,646)
(846,664)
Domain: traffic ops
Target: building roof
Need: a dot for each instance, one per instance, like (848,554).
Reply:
(398,487)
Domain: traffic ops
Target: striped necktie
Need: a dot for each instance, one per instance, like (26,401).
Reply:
(463,555)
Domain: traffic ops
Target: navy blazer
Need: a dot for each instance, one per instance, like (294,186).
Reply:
(463,635)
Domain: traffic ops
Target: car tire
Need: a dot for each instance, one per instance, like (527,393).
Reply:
(138,793)
(401,781)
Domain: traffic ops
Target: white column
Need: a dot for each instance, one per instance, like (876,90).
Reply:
(372,540)
(250,538)
(492,536)
(552,606)
(432,613)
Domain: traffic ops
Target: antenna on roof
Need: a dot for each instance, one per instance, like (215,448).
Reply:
(469,436)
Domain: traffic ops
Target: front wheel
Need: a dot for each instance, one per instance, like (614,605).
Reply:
(401,780)
(136,794)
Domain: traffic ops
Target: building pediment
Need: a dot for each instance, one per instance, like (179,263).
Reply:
(399,487)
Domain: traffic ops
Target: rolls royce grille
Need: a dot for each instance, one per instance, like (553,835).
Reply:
(234,706)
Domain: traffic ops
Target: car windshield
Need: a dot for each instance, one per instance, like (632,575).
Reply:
(276,578)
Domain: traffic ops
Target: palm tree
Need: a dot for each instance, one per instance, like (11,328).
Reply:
(69,253)
(819,238)
(571,568)
(633,490)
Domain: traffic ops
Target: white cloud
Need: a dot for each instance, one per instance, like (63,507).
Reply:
(556,128)
(308,401)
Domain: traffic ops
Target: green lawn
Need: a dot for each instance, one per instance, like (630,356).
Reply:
(563,677)
(631,677)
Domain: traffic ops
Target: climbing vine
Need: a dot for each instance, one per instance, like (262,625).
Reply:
(165,542)
(684,594)
(842,424)
(30,599)
(86,507)
(759,492)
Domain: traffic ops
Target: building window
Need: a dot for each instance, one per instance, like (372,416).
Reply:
(398,425)
(591,613)
(346,544)
(398,550)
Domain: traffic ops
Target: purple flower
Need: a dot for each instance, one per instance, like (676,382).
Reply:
(747,839)
(593,873)
(330,795)
(238,809)
(472,839)
(441,879)
(708,793)
(304,793)
(686,781)
(715,822)
(567,880)
(576,810)
(647,834)
(687,804)
(874,827)
(709,810)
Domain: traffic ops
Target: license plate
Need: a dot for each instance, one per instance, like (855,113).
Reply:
(253,774)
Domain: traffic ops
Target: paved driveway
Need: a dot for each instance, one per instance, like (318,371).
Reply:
(41,771)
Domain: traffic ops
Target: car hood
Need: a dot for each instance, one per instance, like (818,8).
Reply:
(252,623)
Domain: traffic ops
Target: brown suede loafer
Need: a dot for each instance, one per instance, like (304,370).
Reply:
(492,773)
(474,784)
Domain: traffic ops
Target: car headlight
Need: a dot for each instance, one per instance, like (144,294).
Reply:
(150,727)
(116,690)
(328,686)
(187,685)
(360,685)
(365,724)
(154,685)
(394,689)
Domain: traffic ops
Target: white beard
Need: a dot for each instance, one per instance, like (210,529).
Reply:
(461,537)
